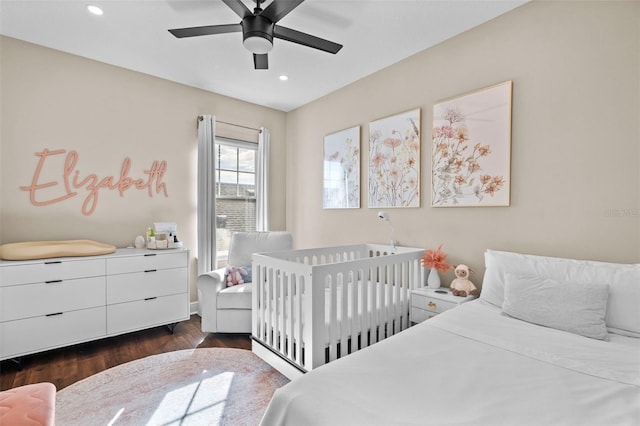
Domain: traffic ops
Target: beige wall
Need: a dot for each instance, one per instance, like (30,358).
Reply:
(56,101)
(575,179)
(575,185)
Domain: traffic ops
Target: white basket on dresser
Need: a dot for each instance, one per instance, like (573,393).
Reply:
(50,303)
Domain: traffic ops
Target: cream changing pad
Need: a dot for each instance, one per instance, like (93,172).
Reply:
(47,249)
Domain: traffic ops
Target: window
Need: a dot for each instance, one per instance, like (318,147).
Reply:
(235,163)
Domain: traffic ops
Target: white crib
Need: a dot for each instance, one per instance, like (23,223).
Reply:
(312,306)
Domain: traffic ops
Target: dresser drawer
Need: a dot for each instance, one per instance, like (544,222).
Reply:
(50,270)
(31,300)
(142,285)
(427,302)
(431,304)
(124,317)
(48,332)
(419,315)
(146,262)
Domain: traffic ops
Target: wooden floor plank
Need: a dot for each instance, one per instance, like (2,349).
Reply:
(65,366)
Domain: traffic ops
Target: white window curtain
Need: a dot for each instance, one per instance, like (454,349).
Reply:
(206,194)
(262,181)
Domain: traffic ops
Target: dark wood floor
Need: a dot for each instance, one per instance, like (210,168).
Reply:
(66,366)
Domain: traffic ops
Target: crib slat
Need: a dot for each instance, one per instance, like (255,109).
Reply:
(364,309)
(289,314)
(330,309)
(402,304)
(263,295)
(393,306)
(381,303)
(315,335)
(264,308)
(270,308)
(344,326)
(408,280)
(388,306)
(256,320)
(375,308)
(279,312)
(297,320)
(273,312)
(407,275)
(355,322)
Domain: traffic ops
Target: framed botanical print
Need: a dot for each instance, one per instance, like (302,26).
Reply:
(471,149)
(341,169)
(394,161)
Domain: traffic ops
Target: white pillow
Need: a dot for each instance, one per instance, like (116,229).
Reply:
(578,308)
(623,314)
(497,263)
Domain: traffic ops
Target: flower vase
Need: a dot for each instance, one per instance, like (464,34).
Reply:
(433,280)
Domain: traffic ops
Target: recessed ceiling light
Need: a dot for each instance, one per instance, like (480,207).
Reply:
(284,78)
(95,10)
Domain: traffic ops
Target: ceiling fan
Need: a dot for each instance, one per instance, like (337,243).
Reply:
(259,28)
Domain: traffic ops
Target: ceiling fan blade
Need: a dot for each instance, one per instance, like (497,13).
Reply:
(278,9)
(306,39)
(238,7)
(206,30)
(260,62)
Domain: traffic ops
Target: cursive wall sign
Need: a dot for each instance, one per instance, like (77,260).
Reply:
(71,179)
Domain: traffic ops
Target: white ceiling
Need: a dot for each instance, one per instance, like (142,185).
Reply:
(133,35)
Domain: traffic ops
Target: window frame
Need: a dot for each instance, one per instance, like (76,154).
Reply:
(222,255)
(237,144)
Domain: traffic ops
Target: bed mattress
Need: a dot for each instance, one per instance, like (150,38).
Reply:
(512,373)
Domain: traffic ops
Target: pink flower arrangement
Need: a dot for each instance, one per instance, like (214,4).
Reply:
(436,259)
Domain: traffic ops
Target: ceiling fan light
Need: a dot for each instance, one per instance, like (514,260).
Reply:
(257,34)
(258,44)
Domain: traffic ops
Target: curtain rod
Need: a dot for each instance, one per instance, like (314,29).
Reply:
(200,118)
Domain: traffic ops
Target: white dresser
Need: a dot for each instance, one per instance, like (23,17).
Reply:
(50,303)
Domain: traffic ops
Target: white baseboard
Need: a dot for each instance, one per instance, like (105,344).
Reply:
(194,308)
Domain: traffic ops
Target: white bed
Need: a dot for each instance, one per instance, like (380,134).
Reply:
(477,365)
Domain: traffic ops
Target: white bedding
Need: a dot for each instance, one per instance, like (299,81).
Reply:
(471,365)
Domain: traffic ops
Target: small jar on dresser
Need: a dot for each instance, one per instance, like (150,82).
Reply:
(428,302)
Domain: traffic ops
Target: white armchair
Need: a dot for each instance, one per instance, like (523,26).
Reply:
(228,309)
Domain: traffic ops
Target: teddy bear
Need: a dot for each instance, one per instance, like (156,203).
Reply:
(235,275)
(462,286)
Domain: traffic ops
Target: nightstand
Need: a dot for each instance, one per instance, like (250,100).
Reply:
(427,302)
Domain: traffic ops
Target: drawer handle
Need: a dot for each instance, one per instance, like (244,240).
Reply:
(150,298)
(432,305)
(151,270)
(54,314)
(150,254)
(52,262)
(53,281)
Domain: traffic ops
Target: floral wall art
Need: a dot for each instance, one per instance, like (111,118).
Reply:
(471,148)
(394,161)
(342,169)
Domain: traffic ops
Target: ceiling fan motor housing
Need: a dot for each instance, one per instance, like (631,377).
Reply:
(260,27)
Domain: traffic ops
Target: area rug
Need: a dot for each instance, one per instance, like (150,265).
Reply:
(214,386)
